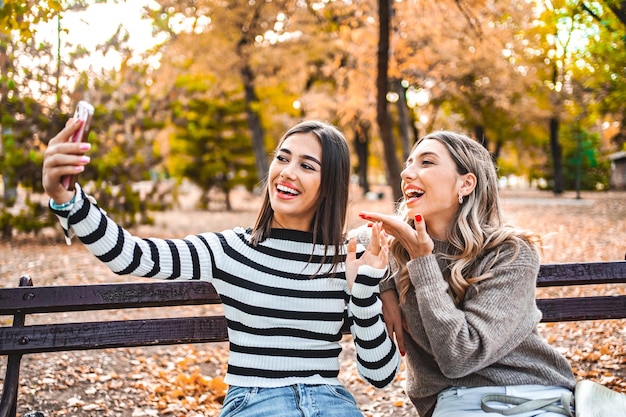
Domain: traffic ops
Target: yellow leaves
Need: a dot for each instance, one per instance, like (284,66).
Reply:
(595,349)
(218,385)
(605,350)
(175,384)
(187,392)
(398,403)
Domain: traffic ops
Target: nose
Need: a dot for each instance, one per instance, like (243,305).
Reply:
(407,173)
(287,172)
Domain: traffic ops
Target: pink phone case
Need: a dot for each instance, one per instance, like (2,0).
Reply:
(84,111)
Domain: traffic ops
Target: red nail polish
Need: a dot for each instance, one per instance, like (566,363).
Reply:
(418,218)
(363,216)
(401,353)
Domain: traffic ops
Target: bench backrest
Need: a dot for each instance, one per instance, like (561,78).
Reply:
(27,299)
(582,308)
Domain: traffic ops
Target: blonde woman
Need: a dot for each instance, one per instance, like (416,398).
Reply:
(463,287)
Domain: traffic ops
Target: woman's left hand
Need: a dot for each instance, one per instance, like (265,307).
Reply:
(416,241)
(376,255)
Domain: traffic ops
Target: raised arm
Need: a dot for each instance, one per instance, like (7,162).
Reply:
(378,359)
(122,252)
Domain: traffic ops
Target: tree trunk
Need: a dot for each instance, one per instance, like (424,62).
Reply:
(555,149)
(254,123)
(498,150)
(479,133)
(619,8)
(403,116)
(382,114)
(361,146)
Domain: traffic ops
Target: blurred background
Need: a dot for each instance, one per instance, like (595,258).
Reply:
(195,94)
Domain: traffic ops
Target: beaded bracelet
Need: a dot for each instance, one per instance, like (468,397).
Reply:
(63,206)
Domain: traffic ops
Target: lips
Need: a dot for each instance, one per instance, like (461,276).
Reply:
(412,193)
(286,190)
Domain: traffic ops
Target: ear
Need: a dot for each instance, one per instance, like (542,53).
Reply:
(468,183)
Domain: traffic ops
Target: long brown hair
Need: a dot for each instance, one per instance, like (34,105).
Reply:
(478,225)
(328,224)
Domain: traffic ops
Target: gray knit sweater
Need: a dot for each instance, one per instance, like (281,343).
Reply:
(490,339)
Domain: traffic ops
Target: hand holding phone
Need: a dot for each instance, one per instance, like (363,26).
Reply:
(84,111)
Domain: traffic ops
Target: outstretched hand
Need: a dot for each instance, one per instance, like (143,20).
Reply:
(416,241)
(63,158)
(376,254)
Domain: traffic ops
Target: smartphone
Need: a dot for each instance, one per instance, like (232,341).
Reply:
(84,111)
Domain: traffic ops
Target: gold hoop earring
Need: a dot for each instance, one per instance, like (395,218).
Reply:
(460,197)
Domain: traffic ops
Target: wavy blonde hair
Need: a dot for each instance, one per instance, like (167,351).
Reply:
(478,226)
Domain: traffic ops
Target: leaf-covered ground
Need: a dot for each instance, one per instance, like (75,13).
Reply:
(186,380)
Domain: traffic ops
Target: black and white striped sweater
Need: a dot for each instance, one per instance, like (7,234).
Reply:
(284,327)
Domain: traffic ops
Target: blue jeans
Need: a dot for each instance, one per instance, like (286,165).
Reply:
(299,400)
(460,401)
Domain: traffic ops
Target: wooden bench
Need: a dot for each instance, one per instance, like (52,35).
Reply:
(20,338)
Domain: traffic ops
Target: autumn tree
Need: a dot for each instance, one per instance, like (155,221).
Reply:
(571,89)
(25,119)
(605,61)
(211,145)
(35,103)
(247,45)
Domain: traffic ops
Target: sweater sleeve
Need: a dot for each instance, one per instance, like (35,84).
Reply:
(495,317)
(125,254)
(378,359)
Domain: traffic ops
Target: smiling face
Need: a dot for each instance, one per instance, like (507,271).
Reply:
(431,184)
(294,181)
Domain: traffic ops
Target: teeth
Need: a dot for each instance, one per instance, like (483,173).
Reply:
(413,193)
(288,190)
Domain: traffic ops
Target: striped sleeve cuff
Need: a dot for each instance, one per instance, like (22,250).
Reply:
(65,211)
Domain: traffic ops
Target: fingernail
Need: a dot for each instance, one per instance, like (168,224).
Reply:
(370,224)
(363,216)
(84,146)
(402,353)
(84,159)
(418,218)
(79,168)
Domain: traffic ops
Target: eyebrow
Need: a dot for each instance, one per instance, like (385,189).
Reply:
(427,153)
(308,157)
(421,155)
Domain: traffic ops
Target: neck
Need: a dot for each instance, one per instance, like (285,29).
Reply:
(437,231)
(292,224)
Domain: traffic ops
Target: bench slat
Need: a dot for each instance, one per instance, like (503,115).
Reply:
(582,273)
(127,333)
(112,334)
(106,296)
(582,308)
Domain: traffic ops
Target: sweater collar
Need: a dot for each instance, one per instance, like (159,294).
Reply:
(290,234)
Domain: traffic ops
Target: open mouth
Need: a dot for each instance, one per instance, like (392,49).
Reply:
(411,194)
(287,191)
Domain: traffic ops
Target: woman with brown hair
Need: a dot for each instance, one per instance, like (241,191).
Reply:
(287,285)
